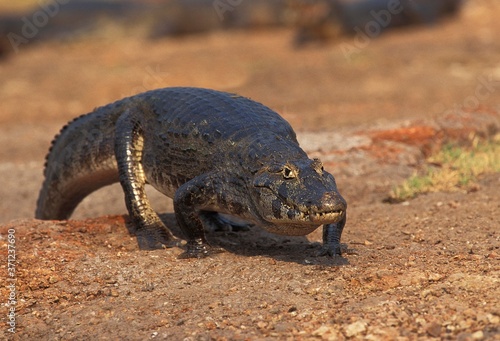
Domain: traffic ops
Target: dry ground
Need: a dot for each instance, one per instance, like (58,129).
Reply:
(425,269)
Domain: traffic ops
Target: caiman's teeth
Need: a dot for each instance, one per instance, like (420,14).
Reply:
(310,215)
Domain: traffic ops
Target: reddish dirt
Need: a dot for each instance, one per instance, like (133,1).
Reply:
(424,269)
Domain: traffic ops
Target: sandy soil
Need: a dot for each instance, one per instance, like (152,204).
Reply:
(425,269)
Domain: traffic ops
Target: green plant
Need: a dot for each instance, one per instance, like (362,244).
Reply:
(452,168)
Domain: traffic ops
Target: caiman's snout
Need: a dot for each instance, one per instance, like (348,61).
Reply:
(330,208)
(333,202)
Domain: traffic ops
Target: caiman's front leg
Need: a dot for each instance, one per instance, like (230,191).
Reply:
(150,231)
(196,204)
(331,240)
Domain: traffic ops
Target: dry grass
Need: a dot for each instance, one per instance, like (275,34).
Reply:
(452,168)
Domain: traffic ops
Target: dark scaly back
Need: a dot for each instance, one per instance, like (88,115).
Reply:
(225,130)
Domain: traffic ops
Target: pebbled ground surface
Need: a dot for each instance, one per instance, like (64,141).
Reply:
(425,269)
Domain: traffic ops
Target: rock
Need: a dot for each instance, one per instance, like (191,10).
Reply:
(434,277)
(434,329)
(355,328)
(321,331)
(479,335)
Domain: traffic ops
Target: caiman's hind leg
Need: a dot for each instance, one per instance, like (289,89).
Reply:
(150,231)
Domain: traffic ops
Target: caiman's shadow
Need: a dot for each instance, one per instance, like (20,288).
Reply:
(257,242)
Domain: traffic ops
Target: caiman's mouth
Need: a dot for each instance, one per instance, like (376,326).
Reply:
(287,217)
(321,216)
(293,221)
(310,215)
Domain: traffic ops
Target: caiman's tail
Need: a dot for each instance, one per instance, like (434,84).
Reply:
(80,161)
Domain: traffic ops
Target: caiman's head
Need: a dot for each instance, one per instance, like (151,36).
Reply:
(295,197)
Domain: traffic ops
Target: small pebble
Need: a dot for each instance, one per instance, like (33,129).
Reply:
(355,328)
(434,329)
(479,335)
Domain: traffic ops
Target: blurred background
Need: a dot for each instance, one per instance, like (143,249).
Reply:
(323,65)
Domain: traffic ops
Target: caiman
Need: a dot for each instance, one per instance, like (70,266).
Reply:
(212,152)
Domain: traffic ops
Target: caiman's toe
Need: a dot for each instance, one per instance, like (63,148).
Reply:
(330,250)
(199,249)
(147,244)
(334,251)
(155,239)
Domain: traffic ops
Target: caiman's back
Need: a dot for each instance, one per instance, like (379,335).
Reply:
(192,131)
(187,131)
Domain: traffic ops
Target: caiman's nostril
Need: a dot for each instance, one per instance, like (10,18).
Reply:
(334,201)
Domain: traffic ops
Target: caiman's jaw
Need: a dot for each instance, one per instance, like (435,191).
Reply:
(294,221)
(310,216)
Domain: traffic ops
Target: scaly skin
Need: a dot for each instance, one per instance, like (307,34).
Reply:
(212,152)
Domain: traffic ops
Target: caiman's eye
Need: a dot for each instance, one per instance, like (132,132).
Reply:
(288,173)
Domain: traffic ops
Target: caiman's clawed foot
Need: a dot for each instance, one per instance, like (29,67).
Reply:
(155,237)
(335,251)
(199,249)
